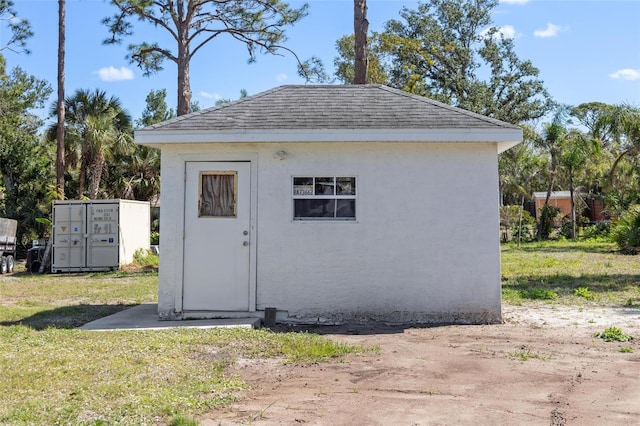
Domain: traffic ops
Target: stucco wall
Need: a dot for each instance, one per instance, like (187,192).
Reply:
(423,247)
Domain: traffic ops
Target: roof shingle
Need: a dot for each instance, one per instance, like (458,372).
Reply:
(323,107)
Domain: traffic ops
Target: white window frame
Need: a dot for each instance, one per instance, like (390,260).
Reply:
(300,196)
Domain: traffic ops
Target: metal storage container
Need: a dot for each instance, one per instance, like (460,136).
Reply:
(98,235)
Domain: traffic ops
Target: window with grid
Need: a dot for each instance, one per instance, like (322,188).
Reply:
(324,198)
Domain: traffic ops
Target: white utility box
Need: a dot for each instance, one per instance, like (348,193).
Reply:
(98,235)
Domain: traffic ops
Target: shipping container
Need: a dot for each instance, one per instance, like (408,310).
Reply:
(98,235)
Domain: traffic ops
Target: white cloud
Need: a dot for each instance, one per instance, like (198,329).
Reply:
(506,31)
(208,95)
(552,30)
(281,77)
(111,73)
(626,74)
(514,1)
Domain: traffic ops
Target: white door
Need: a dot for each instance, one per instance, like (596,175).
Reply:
(216,239)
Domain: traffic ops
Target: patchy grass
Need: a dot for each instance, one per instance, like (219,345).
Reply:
(525,354)
(541,294)
(53,373)
(58,376)
(579,273)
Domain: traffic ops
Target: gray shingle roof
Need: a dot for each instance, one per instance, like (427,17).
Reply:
(323,107)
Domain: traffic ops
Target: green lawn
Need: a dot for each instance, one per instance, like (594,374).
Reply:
(578,273)
(53,373)
(70,300)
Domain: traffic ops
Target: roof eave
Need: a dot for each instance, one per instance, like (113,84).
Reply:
(505,137)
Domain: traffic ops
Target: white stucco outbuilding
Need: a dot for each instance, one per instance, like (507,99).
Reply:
(331,203)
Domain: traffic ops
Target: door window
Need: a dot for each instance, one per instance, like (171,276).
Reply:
(217,196)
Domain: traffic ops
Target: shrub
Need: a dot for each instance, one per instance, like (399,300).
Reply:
(517,222)
(566,230)
(548,216)
(144,257)
(600,229)
(626,232)
(155,238)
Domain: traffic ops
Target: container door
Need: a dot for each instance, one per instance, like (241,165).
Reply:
(216,238)
(68,236)
(102,235)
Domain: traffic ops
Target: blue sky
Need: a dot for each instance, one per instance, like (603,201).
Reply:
(587,50)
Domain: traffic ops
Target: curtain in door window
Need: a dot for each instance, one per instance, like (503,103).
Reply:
(217,197)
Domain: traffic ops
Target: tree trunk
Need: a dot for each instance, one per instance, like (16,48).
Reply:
(184,87)
(95,171)
(552,179)
(552,176)
(520,221)
(573,206)
(60,154)
(9,184)
(360,27)
(82,176)
(184,56)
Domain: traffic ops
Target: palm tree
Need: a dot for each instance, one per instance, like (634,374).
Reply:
(136,176)
(518,170)
(623,122)
(102,137)
(96,127)
(577,150)
(550,142)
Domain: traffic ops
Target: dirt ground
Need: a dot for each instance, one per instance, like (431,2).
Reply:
(453,375)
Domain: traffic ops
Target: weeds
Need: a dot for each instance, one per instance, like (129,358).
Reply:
(584,292)
(525,354)
(183,421)
(613,334)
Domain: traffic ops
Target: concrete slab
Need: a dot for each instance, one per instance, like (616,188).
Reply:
(145,317)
